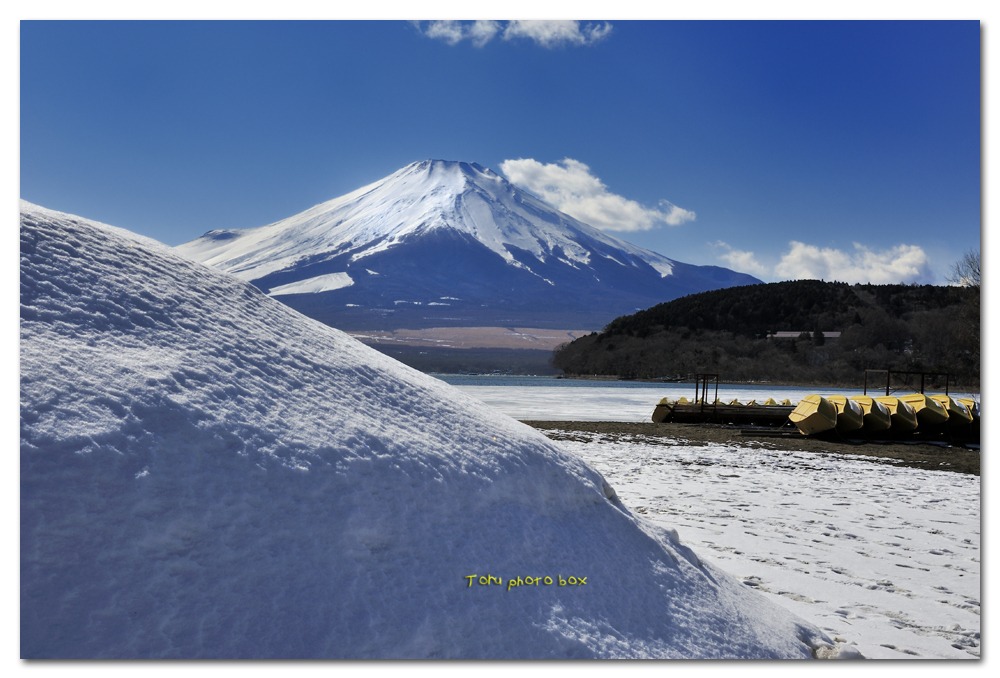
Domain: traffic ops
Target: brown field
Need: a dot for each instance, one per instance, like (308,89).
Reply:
(916,454)
(471,337)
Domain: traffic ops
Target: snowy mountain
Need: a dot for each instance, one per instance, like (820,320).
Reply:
(442,243)
(207,473)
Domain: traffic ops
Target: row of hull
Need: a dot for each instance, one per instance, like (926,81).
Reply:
(766,413)
(897,414)
(890,416)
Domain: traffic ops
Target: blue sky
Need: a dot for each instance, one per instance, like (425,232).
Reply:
(845,150)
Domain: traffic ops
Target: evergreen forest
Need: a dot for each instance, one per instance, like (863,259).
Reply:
(796,332)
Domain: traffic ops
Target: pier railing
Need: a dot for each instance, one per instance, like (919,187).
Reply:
(924,376)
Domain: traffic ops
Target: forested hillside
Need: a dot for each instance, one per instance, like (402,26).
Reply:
(734,333)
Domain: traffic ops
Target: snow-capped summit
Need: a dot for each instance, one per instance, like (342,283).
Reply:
(419,199)
(206,473)
(460,243)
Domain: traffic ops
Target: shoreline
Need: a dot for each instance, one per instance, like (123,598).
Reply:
(928,455)
(973,388)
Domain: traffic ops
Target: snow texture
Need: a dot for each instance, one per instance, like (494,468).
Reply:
(883,558)
(206,473)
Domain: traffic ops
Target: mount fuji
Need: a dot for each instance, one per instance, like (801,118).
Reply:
(448,244)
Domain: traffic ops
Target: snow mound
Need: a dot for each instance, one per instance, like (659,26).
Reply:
(205,473)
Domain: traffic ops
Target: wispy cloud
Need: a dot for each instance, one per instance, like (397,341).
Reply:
(548,34)
(899,264)
(556,33)
(453,32)
(570,186)
(741,260)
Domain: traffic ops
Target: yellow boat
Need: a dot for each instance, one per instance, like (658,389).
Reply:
(814,414)
(958,413)
(875,415)
(972,405)
(850,417)
(929,411)
(904,419)
(662,410)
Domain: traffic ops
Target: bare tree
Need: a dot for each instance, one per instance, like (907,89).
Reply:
(966,271)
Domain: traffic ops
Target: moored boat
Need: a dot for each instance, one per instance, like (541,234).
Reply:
(850,417)
(662,410)
(929,411)
(958,412)
(904,419)
(972,405)
(875,415)
(814,414)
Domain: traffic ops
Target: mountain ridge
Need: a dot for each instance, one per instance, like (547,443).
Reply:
(442,242)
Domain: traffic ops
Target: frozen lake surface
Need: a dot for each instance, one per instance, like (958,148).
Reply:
(551,399)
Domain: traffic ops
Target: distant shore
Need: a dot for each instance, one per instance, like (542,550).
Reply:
(915,454)
(875,389)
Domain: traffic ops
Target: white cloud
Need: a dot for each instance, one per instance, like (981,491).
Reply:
(481,32)
(548,34)
(741,260)
(899,264)
(555,33)
(569,186)
(451,32)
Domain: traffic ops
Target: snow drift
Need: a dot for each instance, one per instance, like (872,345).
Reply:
(205,473)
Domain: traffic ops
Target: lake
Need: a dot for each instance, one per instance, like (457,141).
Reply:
(551,398)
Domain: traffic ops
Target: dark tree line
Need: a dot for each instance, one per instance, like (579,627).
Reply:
(899,327)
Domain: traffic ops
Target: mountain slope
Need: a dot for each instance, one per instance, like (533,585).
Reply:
(207,474)
(449,243)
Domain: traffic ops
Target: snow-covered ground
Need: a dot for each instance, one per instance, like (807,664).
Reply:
(205,473)
(884,557)
(881,556)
